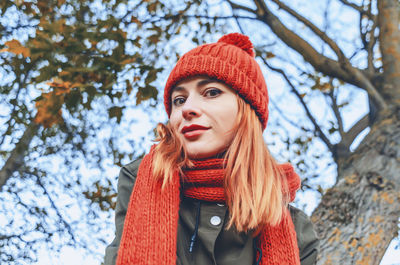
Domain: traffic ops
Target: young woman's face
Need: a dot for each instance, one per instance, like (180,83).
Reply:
(203,115)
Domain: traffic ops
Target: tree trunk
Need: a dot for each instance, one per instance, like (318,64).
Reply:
(16,158)
(357,218)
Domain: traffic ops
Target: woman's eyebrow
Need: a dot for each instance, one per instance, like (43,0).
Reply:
(177,89)
(199,84)
(207,81)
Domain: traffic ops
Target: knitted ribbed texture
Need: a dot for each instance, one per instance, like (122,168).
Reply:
(230,60)
(150,229)
(293,182)
(279,243)
(205,181)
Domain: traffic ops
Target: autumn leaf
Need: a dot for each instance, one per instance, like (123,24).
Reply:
(14,46)
(49,104)
(151,76)
(152,7)
(60,2)
(57,26)
(145,93)
(128,87)
(64,73)
(128,60)
(115,112)
(102,195)
(270,55)
(44,7)
(136,21)
(325,87)
(155,38)
(63,87)
(49,109)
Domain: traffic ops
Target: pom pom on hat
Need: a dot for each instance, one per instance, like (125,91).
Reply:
(239,40)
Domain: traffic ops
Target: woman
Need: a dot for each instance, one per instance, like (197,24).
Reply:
(209,192)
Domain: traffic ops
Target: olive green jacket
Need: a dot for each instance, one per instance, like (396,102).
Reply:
(214,244)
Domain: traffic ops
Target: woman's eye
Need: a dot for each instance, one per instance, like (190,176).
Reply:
(212,92)
(178,101)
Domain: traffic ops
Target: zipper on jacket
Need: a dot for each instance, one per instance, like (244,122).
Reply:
(196,229)
(257,250)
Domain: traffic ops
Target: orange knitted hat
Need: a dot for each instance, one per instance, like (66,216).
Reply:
(230,60)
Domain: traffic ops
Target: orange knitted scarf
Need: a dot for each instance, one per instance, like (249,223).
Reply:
(150,228)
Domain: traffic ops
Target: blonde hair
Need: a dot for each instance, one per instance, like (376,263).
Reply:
(256,193)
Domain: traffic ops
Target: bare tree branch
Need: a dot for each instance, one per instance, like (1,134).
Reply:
(320,62)
(370,47)
(53,205)
(7,237)
(21,83)
(326,23)
(342,149)
(16,158)
(241,7)
(353,132)
(360,9)
(368,39)
(171,17)
(233,13)
(371,44)
(9,31)
(294,124)
(320,133)
(322,35)
(335,109)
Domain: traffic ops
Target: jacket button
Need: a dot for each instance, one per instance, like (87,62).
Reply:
(215,220)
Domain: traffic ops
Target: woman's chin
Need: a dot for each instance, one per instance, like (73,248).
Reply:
(204,155)
(197,156)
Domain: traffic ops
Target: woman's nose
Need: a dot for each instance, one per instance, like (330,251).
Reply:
(191,108)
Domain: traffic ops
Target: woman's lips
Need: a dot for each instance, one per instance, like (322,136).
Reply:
(193,131)
(193,134)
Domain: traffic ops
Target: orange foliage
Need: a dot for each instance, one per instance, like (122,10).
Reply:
(16,47)
(49,109)
(49,106)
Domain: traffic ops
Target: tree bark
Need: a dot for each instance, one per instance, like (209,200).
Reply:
(16,158)
(357,218)
(389,39)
